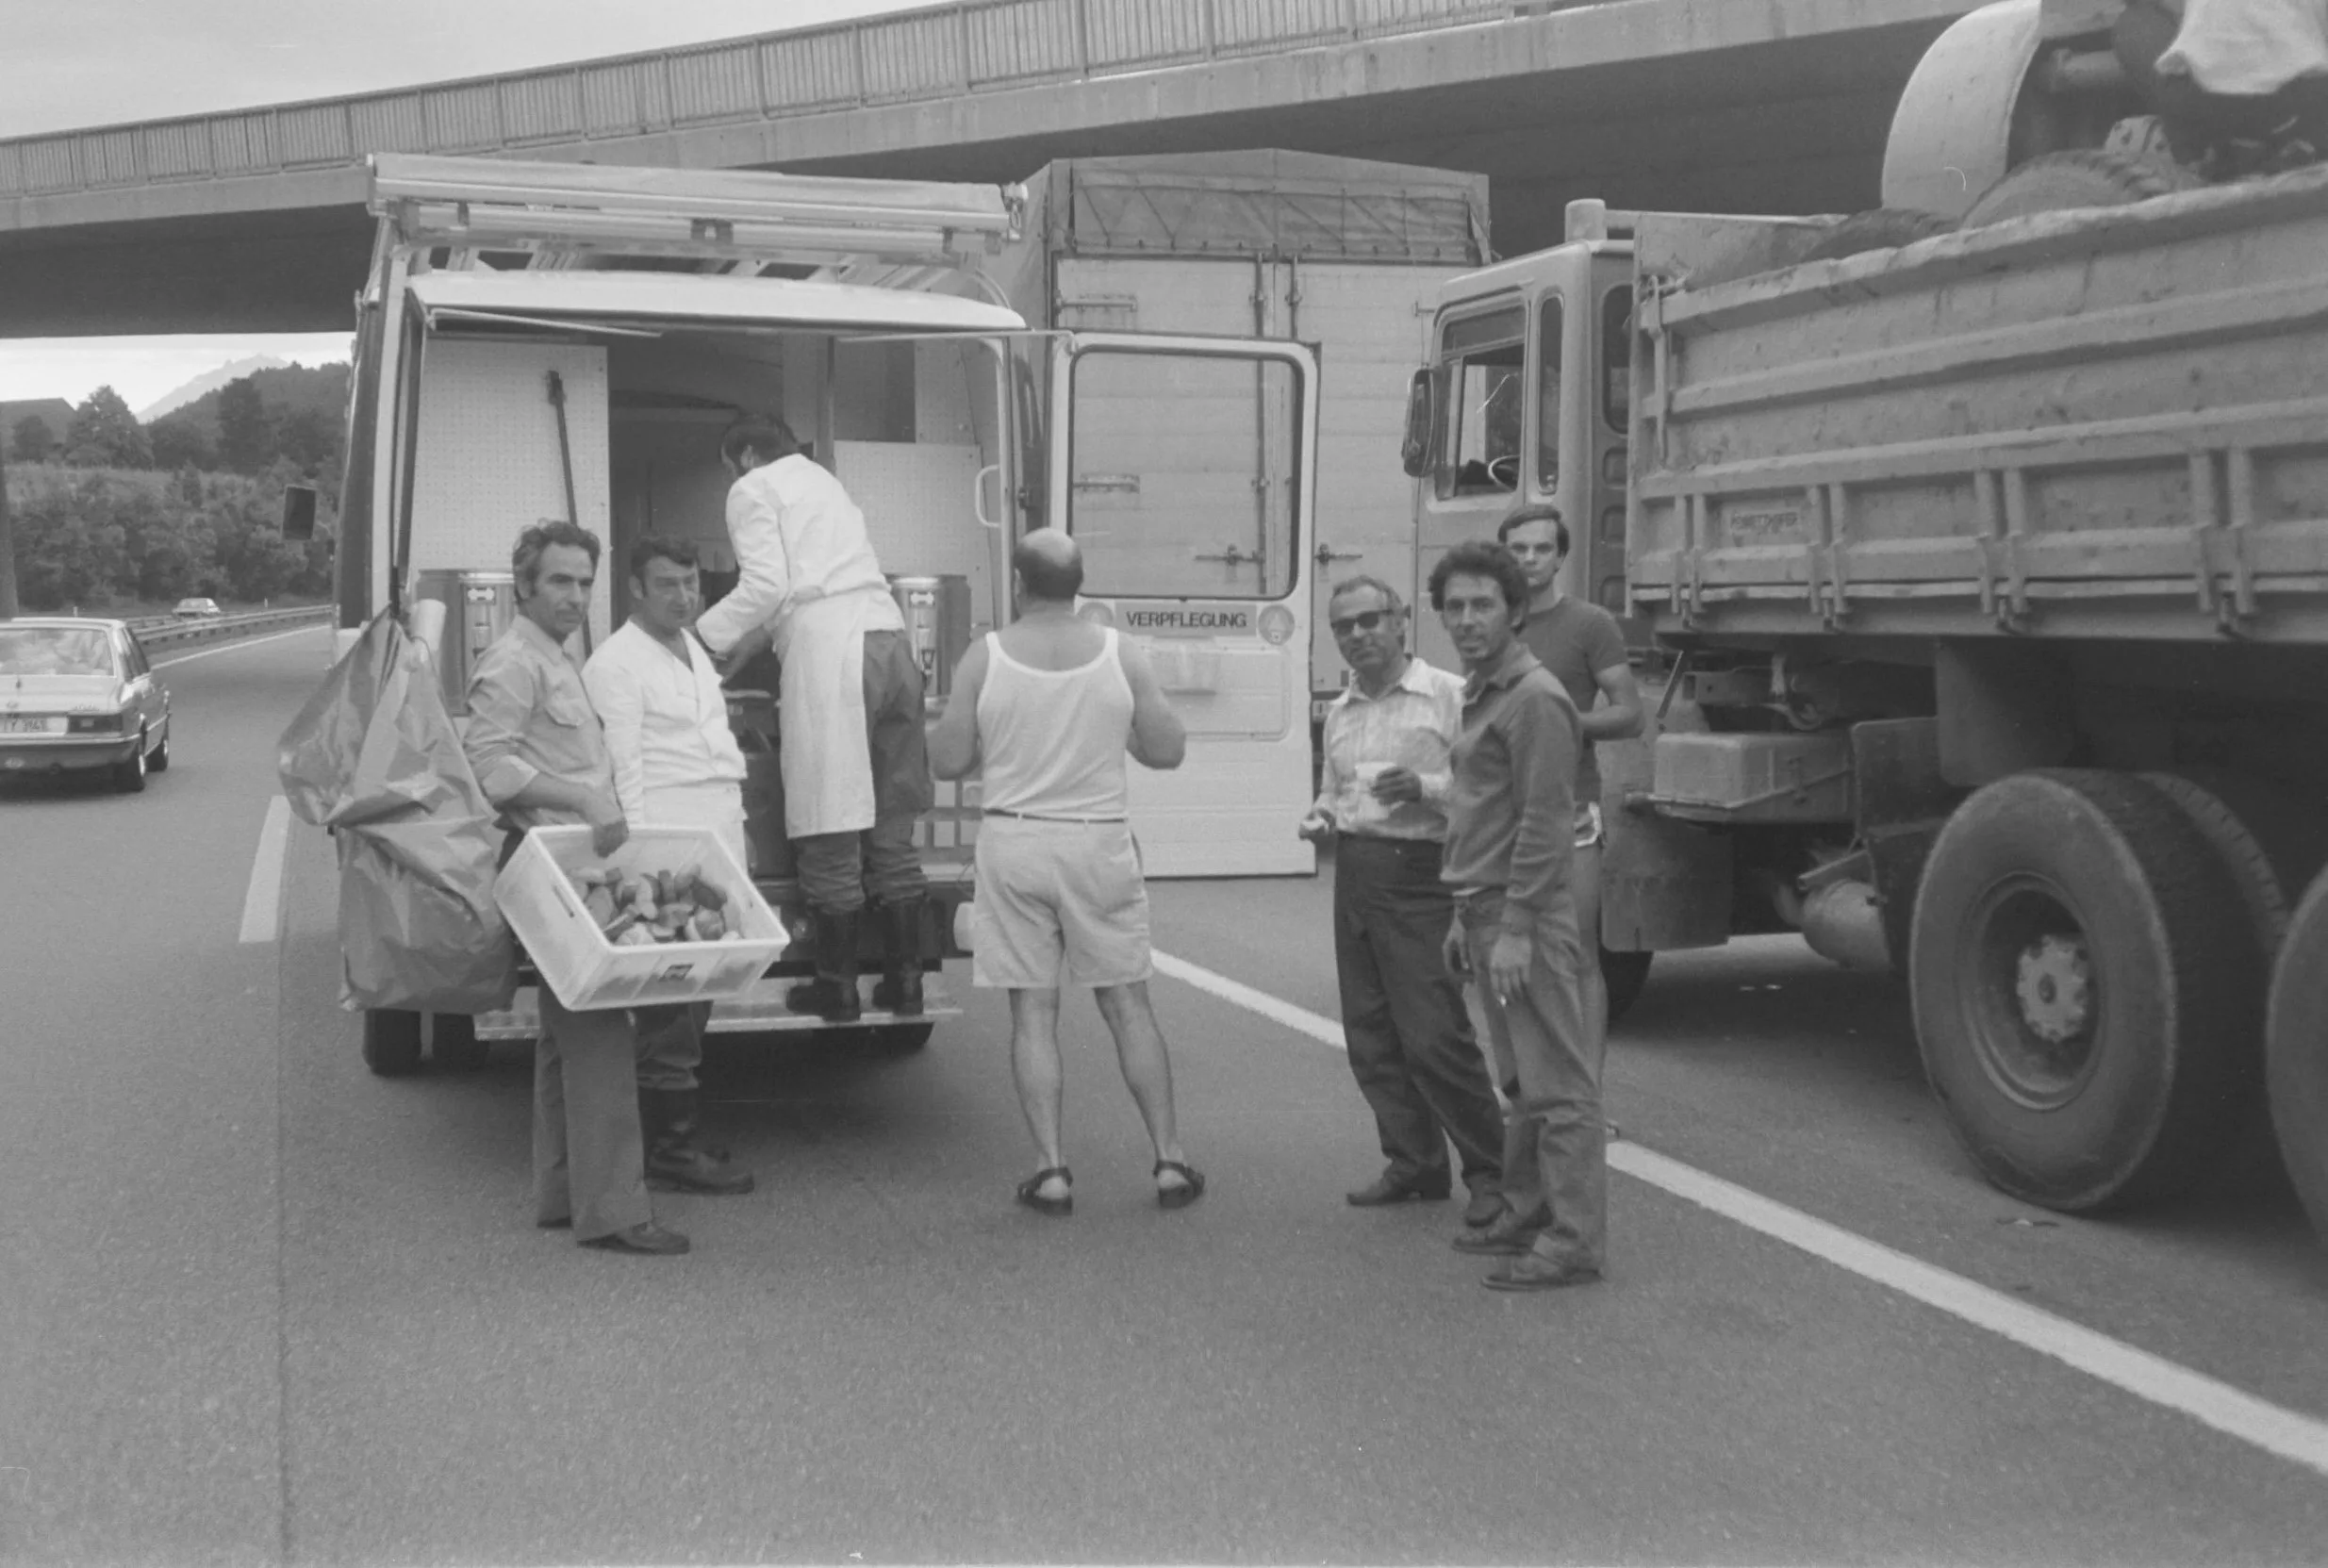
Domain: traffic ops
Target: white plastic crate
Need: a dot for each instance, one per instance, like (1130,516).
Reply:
(588,972)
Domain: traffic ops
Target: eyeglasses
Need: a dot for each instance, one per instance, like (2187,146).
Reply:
(1364,621)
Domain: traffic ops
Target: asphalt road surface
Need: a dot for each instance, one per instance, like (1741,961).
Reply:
(264,1307)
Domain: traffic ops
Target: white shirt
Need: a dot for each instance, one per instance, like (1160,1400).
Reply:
(797,538)
(665,720)
(1414,725)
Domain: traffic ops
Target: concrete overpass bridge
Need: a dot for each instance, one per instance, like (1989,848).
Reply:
(251,220)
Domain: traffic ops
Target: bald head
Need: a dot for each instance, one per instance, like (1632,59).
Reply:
(1049,566)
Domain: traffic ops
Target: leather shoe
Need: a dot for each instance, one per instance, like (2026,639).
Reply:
(645,1238)
(1387,1189)
(1510,1234)
(1483,1208)
(1536,1272)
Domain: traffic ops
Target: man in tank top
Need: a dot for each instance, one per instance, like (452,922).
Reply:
(1048,708)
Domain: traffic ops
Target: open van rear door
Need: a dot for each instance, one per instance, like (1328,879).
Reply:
(1186,468)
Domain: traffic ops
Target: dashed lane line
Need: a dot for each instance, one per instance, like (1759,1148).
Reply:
(2301,1438)
(262,899)
(239,647)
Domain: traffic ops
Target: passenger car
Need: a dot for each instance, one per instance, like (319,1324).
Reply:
(196,609)
(76,693)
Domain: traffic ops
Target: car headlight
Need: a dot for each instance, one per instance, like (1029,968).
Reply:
(93,724)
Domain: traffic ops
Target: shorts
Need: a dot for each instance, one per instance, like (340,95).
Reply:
(1058,903)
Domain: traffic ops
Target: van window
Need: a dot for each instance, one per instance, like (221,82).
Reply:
(1549,315)
(1616,356)
(1482,368)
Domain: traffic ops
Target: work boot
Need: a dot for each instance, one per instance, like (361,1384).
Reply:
(898,990)
(832,995)
(675,1162)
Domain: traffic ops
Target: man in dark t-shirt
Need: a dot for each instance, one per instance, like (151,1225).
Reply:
(1579,643)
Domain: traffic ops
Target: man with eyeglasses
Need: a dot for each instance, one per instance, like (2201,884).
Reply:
(1383,802)
(1581,645)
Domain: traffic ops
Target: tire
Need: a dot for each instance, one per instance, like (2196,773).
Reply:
(1624,975)
(2067,182)
(130,773)
(392,1043)
(453,1042)
(900,1039)
(2082,970)
(1880,228)
(160,761)
(2296,1053)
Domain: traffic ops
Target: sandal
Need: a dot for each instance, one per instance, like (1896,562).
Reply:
(1031,1193)
(1191,1189)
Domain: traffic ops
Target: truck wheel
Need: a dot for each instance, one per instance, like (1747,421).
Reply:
(1624,975)
(2082,972)
(453,1041)
(2065,182)
(1880,228)
(2296,1053)
(392,1042)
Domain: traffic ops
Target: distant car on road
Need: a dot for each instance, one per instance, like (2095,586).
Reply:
(77,694)
(196,609)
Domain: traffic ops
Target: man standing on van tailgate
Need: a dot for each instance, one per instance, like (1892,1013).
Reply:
(676,766)
(1580,644)
(856,766)
(1382,801)
(1510,836)
(541,757)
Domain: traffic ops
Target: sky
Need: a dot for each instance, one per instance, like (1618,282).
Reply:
(95,62)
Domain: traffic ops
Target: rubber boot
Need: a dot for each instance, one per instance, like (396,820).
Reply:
(832,995)
(675,1162)
(898,990)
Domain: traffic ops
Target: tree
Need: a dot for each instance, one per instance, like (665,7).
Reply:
(105,433)
(180,444)
(32,440)
(245,440)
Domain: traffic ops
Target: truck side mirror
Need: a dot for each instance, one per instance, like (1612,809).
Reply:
(1415,450)
(299,513)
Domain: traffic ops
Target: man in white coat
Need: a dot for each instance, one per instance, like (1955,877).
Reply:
(855,765)
(676,764)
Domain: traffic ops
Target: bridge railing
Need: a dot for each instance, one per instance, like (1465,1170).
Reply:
(934,52)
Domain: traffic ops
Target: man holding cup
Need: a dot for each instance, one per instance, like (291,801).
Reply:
(1383,802)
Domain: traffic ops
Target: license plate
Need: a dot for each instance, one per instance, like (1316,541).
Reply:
(19,725)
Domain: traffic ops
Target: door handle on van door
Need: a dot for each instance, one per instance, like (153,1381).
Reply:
(1327,555)
(977,496)
(1232,556)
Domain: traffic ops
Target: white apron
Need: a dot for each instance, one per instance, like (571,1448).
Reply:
(828,765)
(717,806)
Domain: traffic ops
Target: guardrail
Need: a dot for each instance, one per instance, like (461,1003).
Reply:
(170,632)
(944,51)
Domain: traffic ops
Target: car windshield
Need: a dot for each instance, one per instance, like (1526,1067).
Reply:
(54,650)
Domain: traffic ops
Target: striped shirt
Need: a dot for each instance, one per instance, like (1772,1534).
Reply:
(1414,724)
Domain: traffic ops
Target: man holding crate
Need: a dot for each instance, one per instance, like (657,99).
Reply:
(676,763)
(541,757)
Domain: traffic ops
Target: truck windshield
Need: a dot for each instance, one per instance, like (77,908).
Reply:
(1482,370)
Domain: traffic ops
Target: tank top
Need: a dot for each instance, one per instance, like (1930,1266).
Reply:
(1053,740)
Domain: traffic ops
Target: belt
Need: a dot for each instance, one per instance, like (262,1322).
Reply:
(1038,816)
(1348,837)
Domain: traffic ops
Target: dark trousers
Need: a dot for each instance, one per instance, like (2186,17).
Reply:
(1411,1048)
(839,869)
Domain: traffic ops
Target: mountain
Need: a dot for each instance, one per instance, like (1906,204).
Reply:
(284,388)
(211,382)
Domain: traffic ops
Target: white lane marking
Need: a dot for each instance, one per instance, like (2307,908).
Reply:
(239,647)
(262,899)
(2291,1434)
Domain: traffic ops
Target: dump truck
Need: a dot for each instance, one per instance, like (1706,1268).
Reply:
(1982,585)
(570,340)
